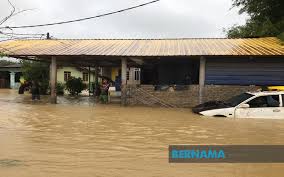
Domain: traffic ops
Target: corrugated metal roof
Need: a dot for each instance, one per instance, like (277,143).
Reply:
(145,47)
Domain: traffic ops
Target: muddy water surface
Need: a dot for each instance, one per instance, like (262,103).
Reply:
(85,139)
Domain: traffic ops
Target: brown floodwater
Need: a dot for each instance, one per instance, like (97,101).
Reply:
(78,138)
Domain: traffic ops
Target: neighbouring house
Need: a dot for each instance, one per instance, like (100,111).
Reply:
(65,72)
(10,76)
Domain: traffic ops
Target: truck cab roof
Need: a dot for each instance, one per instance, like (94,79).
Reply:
(264,93)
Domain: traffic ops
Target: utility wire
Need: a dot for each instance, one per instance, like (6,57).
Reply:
(81,19)
(22,34)
(18,38)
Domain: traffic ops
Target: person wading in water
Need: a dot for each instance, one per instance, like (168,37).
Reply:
(23,87)
(104,91)
(35,91)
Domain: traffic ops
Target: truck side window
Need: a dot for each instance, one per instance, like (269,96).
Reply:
(265,101)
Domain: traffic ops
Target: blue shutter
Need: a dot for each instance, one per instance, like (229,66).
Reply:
(244,71)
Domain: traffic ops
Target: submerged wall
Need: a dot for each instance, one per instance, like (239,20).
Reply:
(188,97)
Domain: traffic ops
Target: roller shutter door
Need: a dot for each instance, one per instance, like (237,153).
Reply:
(244,71)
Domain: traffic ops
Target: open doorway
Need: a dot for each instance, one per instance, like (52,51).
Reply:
(4,79)
(171,71)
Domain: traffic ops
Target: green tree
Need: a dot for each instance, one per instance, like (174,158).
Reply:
(60,88)
(266,19)
(2,55)
(75,85)
(37,71)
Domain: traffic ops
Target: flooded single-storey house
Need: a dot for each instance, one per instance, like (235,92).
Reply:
(167,72)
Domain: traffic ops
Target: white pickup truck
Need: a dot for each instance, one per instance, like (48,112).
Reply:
(265,104)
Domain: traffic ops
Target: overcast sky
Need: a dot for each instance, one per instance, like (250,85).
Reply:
(164,19)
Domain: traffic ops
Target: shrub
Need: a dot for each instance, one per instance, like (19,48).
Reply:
(75,85)
(60,88)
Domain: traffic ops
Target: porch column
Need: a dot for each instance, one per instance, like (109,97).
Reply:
(53,80)
(96,80)
(202,73)
(123,81)
(89,79)
(12,79)
(96,76)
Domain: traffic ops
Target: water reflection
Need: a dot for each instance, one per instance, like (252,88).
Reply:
(9,162)
(88,139)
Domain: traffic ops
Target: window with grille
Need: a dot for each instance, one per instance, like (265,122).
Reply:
(137,74)
(85,76)
(127,75)
(67,75)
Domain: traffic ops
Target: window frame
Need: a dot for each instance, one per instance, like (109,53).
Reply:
(128,75)
(137,74)
(85,79)
(279,98)
(67,75)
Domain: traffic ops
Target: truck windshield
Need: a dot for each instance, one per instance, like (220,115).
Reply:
(236,100)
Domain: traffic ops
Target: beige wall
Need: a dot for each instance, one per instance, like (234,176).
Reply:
(74,72)
(112,72)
